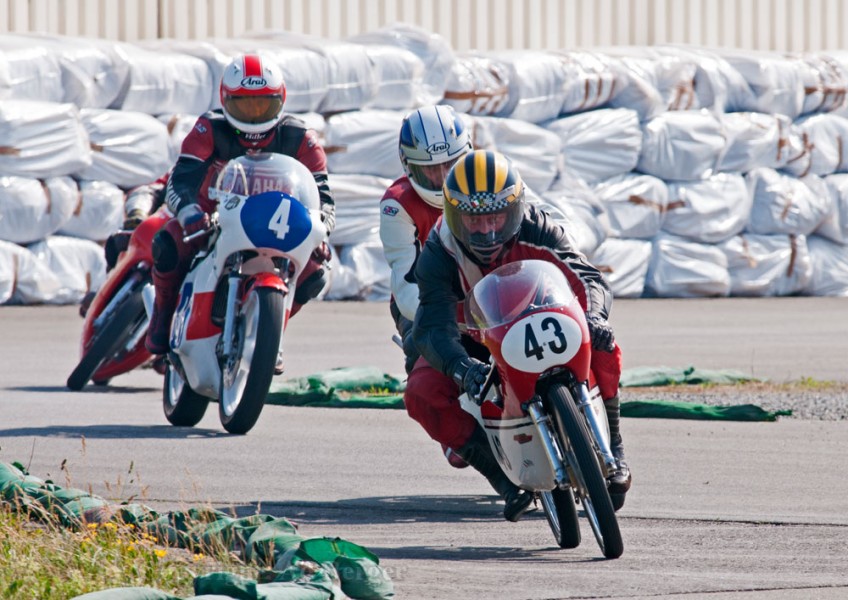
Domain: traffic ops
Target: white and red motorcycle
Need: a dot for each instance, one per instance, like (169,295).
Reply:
(541,409)
(235,301)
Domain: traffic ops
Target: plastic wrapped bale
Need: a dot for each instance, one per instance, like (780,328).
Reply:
(577,208)
(362,274)
(95,72)
(624,264)
(825,82)
(28,71)
(714,77)
(635,204)
(128,148)
(99,213)
(767,265)
(532,149)
(352,78)
(710,210)
(537,84)
(31,210)
(478,85)
(754,140)
(786,204)
(835,225)
(432,50)
(773,82)
(682,145)
(592,80)
(42,139)
(357,208)
(680,268)
(639,89)
(23,278)
(599,144)
(79,265)
(364,142)
(830,268)
(178,127)
(827,138)
(165,82)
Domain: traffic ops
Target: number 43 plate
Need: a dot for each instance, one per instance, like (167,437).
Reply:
(541,341)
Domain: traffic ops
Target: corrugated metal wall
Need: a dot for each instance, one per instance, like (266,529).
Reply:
(784,25)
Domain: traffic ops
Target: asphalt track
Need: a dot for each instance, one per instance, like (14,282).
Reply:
(718,510)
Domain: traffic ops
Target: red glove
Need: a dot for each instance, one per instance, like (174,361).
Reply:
(322,253)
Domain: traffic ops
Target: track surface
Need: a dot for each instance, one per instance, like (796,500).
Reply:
(718,510)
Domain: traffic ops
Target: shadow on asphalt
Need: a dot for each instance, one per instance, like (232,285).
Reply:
(387,509)
(106,431)
(88,389)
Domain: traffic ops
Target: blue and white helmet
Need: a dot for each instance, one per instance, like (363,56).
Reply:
(432,139)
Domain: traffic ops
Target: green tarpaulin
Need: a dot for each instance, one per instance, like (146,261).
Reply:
(366,387)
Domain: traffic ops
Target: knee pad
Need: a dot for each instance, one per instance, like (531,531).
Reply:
(310,287)
(115,244)
(165,254)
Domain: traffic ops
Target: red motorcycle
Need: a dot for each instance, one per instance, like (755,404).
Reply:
(540,408)
(116,321)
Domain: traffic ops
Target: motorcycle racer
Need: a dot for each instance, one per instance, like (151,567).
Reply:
(486,224)
(251,119)
(432,139)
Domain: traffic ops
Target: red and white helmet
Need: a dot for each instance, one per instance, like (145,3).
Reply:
(253,93)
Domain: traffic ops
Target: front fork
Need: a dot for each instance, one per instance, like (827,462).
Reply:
(233,286)
(595,415)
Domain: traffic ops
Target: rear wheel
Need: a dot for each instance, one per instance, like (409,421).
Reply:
(246,375)
(182,405)
(585,471)
(561,513)
(114,334)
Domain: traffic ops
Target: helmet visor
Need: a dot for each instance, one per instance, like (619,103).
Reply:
(253,109)
(431,177)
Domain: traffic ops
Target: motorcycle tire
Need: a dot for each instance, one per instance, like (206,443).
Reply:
(114,334)
(246,376)
(561,513)
(183,406)
(590,485)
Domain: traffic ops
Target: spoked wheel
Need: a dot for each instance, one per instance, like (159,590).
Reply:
(116,332)
(246,375)
(585,472)
(561,513)
(182,405)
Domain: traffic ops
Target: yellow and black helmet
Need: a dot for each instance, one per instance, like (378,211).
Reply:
(484,203)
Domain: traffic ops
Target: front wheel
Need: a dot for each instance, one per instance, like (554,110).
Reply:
(116,332)
(246,374)
(585,471)
(182,405)
(561,513)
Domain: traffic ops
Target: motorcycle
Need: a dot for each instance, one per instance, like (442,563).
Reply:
(235,301)
(540,407)
(116,321)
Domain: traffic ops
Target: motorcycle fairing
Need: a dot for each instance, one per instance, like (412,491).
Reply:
(275,220)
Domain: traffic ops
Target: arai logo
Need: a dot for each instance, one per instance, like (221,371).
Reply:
(253,82)
(438,147)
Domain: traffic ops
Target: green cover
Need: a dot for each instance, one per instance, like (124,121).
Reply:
(661,409)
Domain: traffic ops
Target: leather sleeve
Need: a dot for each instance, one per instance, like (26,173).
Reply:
(435,330)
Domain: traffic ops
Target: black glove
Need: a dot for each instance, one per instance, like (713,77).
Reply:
(470,376)
(601,333)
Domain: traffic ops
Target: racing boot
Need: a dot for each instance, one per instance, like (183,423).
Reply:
(164,305)
(478,453)
(619,478)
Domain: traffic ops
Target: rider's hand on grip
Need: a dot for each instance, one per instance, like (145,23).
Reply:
(322,253)
(133,219)
(471,377)
(601,333)
(193,220)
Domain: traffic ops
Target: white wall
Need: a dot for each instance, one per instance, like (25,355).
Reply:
(783,25)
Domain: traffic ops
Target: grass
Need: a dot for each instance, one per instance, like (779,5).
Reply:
(43,559)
